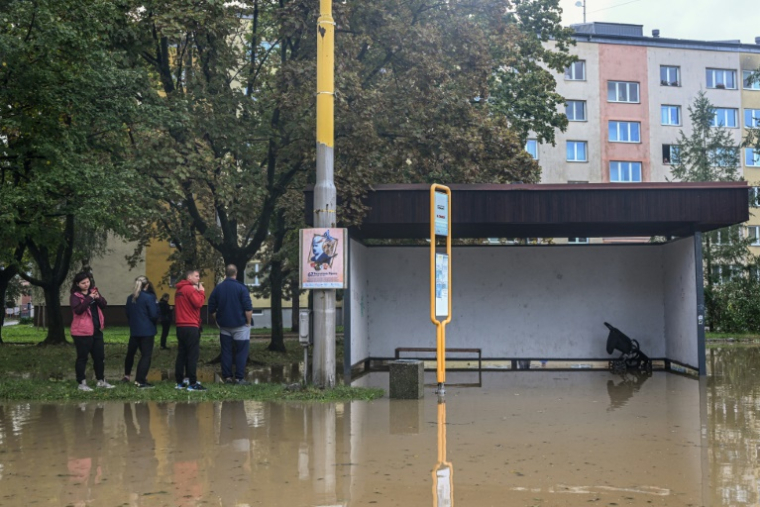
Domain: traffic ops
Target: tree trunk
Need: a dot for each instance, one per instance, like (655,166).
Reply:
(295,298)
(275,276)
(56,334)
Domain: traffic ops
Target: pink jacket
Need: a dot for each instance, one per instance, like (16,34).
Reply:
(81,324)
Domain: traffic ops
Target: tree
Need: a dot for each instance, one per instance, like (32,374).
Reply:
(67,100)
(752,139)
(710,153)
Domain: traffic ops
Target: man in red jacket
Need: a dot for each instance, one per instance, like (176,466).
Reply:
(188,301)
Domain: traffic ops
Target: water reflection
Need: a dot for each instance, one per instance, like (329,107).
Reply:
(545,438)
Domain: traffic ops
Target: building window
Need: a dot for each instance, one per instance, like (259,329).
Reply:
(721,78)
(577,241)
(670,76)
(670,154)
(725,273)
(752,118)
(576,71)
(723,157)
(252,274)
(532,147)
(625,131)
(751,157)
(622,91)
(723,237)
(749,83)
(754,197)
(724,117)
(576,110)
(670,115)
(625,172)
(753,233)
(576,151)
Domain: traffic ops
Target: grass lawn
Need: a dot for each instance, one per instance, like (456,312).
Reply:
(31,372)
(736,337)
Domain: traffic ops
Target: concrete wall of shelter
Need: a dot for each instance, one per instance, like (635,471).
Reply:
(358,299)
(680,299)
(525,301)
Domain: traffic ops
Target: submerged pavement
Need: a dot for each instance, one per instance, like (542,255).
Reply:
(503,438)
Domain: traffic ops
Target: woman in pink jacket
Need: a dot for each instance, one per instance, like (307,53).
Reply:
(87,329)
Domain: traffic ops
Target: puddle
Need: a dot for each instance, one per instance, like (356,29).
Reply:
(544,439)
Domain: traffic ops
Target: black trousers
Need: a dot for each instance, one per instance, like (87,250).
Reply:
(90,346)
(188,351)
(165,326)
(145,345)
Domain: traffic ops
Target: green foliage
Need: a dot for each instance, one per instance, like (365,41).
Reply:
(735,306)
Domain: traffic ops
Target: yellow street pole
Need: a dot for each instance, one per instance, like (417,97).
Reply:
(324,193)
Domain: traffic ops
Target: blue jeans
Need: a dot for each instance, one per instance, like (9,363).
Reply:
(238,348)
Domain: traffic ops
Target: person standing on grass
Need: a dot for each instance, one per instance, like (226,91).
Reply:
(165,311)
(87,329)
(142,315)
(188,301)
(230,304)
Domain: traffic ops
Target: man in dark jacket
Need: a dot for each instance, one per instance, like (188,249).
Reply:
(188,301)
(230,304)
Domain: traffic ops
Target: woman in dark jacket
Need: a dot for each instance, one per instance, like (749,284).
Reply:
(87,329)
(142,314)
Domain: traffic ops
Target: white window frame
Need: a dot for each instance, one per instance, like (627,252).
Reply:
(619,85)
(577,241)
(721,111)
(629,168)
(745,77)
(256,267)
(534,143)
(671,159)
(754,118)
(623,126)
(718,77)
(751,157)
(668,119)
(669,81)
(754,197)
(571,71)
(753,233)
(728,272)
(575,151)
(568,107)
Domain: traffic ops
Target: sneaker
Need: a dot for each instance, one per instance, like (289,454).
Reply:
(186,382)
(229,380)
(125,379)
(180,387)
(143,385)
(242,382)
(83,386)
(196,387)
(104,384)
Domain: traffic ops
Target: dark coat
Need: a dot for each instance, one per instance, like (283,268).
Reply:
(142,314)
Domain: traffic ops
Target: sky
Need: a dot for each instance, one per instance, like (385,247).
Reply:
(677,19)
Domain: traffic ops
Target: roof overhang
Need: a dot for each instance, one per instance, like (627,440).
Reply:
(545,211)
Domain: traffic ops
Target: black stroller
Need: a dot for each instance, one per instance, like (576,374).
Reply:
(631,357)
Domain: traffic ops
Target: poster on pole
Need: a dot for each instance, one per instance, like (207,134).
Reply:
(441,285)
(441,214)
(323,258)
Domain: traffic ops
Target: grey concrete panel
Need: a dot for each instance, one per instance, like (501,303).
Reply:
(680,302)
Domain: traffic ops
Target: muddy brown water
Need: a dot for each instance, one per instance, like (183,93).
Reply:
(521,438)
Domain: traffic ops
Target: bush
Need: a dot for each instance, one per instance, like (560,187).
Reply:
(734,307)
(26,321)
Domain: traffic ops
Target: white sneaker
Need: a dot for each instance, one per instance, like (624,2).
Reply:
(105,384)
(84,387)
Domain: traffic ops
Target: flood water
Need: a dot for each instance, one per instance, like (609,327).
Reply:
(534,438)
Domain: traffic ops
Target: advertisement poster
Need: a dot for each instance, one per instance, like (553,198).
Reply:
(323,258)
(441,214)
(442,285)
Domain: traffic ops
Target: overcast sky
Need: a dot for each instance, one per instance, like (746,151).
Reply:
(678,19)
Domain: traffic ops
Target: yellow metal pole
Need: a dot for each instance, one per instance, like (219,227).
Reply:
(323,371)
(440,325)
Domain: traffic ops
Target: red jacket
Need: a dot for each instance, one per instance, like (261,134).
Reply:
(187,304)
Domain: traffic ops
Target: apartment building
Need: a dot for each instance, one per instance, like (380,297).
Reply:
(627,102)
